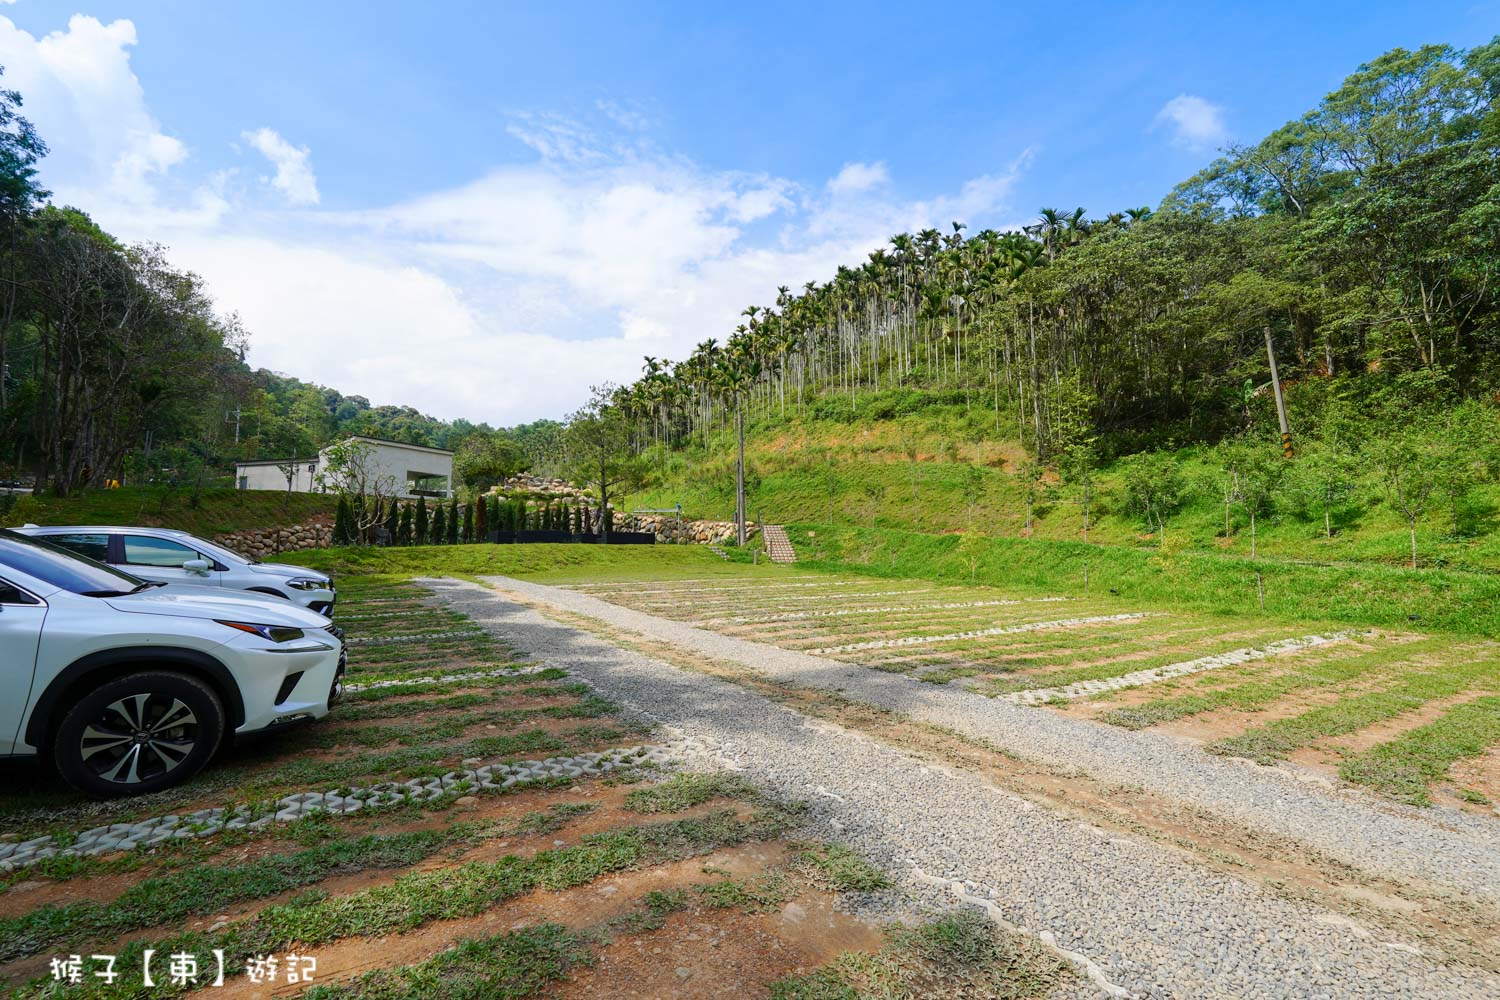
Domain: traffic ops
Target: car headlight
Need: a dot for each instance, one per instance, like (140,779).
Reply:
(271,633)
(306,583)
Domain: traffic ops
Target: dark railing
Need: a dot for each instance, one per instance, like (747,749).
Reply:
(564,537)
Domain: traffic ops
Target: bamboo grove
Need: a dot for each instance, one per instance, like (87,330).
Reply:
(1363,235)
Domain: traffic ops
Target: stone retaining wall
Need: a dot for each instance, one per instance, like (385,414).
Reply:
(675,531)
(262,543)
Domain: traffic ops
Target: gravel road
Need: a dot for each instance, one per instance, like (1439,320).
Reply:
(1147,921)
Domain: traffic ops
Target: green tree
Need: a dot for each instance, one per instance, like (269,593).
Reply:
(453,525)
(406,524)
(1155,488)
(1326,474)
(1412,474)
(973,489)
(469,522)
(419,523)
(1076,470)
(393,522)
(485,459)
(439,524)
(343,523)
(599,449)
(1031,486)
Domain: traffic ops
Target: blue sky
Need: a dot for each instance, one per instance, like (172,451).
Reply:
(480,209)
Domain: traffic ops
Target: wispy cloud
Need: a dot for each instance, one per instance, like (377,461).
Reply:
(1196,124)
(294,174)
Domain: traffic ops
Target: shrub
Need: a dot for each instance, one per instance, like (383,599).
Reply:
(420,522)
(453,523)
(343,523)
(393,522)
(439,525)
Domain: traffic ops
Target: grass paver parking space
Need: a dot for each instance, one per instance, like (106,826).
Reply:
(1408,693)
(1038,648)
(431,696)
(1405,767)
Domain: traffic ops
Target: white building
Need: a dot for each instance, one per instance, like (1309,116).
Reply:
(415,470)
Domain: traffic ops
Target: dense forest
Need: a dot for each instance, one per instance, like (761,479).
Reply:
(115,365)
(1361,240)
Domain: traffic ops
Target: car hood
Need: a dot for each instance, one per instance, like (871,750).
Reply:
(287,572)
(181,601)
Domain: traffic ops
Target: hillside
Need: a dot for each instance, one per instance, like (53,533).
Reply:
(216,512)
(941,468)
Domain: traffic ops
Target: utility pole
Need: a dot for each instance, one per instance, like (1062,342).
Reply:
(1286,428)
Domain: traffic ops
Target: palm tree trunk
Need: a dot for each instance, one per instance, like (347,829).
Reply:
(739,473)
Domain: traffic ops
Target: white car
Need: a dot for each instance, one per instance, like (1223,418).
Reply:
(128,686)
(165,555)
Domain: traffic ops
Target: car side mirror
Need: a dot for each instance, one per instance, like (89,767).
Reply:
(199,566)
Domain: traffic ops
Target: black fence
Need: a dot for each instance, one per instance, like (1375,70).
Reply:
(564,537)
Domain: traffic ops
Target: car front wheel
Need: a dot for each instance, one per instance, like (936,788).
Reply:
(138,733)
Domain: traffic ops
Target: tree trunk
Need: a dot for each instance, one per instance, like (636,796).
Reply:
(1413,524)
(739,472)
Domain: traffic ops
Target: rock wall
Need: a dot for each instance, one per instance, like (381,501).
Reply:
(559,488)
(675,531)
(262,543)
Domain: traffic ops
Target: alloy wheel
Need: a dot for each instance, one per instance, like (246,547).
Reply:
(139,737)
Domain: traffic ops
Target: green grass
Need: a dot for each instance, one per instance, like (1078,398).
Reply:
(1174,578)
(209,888)
(216,511)
(837,868)
(761,894)
(961,954)
(542,563)
(1405,767)
(683,791)
(1257,693)
(506,966)
(1273,741)
(420,897)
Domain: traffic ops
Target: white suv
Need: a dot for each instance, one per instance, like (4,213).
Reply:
(165,555)
(129,686)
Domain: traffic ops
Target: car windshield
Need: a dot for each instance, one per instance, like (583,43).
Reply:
(62,568)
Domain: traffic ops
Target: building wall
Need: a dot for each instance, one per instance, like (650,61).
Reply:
(270,477)
(403,464)
(391,462)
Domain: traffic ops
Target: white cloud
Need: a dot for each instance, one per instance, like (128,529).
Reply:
(294,174)
(857,177)
(501,299)
(82,95)
(1197,125)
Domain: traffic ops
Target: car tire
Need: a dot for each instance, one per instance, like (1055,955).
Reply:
(138,733)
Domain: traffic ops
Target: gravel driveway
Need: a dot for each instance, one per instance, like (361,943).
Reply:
(1148,921)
